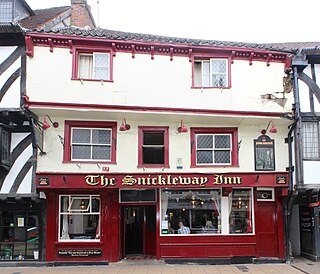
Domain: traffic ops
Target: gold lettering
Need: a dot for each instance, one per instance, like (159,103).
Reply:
(161,180)
(92,180)
(129,181)
(218,180)
(203,180)
(175,180)
(184,181)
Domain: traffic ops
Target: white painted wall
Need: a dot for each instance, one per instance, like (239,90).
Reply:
(12,97)
(141,81)
(311,172)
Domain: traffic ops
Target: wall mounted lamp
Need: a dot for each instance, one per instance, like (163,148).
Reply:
(273,128)
(124,126)
(46,125)
(182,128)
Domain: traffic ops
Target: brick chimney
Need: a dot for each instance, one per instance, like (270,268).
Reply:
(81,15)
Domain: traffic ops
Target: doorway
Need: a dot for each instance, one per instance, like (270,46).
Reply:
(139,230)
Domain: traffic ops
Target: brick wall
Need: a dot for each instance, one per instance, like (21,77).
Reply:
(81,14)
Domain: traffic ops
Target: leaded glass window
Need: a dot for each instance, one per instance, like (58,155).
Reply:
(94,66)
(310,140)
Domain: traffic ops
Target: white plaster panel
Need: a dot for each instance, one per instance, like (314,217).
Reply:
(26,184)
(15,169)
(16,138)
(5,52)
(311,172)
(12,97)
(160,82)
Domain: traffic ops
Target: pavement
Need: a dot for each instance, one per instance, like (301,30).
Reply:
(298,265)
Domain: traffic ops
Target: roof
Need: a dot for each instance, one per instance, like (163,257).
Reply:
(296,46)
(151,38)
(42,16)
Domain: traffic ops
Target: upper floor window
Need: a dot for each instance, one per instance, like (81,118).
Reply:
(90,65)
(87,141)
(5,147)
(6,12)
(153,147)
(211,73)
(214,146)
(310,140)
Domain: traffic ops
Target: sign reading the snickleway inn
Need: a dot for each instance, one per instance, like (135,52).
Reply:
(162,180)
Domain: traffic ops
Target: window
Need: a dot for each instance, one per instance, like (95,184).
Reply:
(5,147)
(90,141)
(214,146)
(92,65)
(240,211)
(211,73)
(6,11)
(198,210)
(310,140)
(153,147)
(79,217)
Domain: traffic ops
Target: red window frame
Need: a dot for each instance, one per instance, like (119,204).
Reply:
(223,130)
(76,51)
(69,124)
(141,131)
(204,57)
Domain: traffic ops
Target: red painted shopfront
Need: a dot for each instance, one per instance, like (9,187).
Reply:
(107,217)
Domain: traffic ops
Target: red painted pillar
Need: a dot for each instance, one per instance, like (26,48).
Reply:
(51,226)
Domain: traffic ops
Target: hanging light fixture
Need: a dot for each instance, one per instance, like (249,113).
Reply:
(182,128)
(273,128)
(124,126)
(46,125)
(82,205)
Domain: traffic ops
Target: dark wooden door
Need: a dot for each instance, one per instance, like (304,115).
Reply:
(150,230)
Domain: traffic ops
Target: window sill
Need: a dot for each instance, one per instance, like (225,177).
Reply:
(92,80)
(200,166)
(219,88)
(88,162)
(153,166)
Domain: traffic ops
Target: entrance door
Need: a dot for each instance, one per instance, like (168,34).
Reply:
(139,230)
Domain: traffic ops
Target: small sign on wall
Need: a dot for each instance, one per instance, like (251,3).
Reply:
(79,252)
(264,154)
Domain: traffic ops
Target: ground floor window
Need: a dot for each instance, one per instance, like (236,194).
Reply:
(79,217)
(19,235)
(206,211)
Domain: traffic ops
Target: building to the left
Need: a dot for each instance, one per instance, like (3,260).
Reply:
(22,209)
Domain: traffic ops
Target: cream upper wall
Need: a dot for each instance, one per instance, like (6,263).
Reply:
(141,81)
(179,147)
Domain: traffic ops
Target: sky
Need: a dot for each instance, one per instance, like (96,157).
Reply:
(254,21)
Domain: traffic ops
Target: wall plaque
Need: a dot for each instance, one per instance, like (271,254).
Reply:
(79,252)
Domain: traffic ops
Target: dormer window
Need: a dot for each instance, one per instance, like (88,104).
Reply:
(6,11)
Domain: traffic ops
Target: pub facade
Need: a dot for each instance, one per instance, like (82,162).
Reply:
(159,146)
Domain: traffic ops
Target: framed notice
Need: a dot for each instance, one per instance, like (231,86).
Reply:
(264,154)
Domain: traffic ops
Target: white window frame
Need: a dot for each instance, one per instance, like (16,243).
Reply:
(69,212)
(91,144)
(213,149)
(93,55)
(211,72)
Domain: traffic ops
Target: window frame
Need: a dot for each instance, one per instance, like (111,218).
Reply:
(201,58)
(5,163)
(308,158)
(233,131)
(69,124)
(153,129)
(77,51)
(78,212)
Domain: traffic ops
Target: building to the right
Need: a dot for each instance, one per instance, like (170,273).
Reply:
(303,221)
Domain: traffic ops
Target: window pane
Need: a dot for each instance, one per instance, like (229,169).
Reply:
(222,141)
(81,152)
(222,157)
(95,204)
(310,139)
(240,218)
(81,136)
(101,136)
(219,72)
(199,210)
(101,66)
(153,138)
(101,152)
(204,157)
(204,141)
(85,64)
(5,11)
(153,155)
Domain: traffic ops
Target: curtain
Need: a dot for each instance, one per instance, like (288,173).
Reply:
(65,221)
(217,202)
(85,66)
(164,205)
(231,221)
